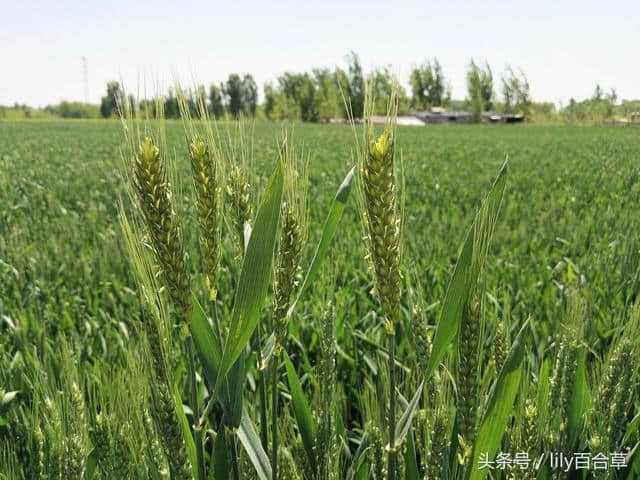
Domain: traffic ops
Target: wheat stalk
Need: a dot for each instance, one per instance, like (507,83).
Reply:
(382,220)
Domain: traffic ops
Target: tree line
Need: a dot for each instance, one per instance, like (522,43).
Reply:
(324,94)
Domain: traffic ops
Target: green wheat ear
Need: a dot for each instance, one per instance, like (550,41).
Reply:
(325,443)
(150,181)
(237,192)
(382,220)
(468,385)
(206,168)
(292,237)
(207,205)
(287,264)
(154,325)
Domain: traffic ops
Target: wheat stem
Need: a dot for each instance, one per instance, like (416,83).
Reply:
(274,417)
(193,387)
(392,408)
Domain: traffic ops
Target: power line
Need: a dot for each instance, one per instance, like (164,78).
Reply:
(86,79)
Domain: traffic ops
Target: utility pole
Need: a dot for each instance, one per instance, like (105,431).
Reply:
(86,79)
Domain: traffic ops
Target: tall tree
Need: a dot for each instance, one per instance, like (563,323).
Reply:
(307,99)
(216,105)
(524,95)
(299,93)
(109,103)
(289,85)
(327,96)
(234,91)
(418,89)
(171,109)
(428,85)
(598,93)
(270,101)
(250,95)
(474,92)
(381,81)
(356,85)
(508,94)
(479,89)
(341,80)
(515,91)
(486,87)
(436,85)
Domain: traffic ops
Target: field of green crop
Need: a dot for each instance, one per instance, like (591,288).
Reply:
(80,397)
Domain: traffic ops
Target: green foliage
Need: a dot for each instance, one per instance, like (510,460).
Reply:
(73,110)
(515,92)
(216,106)
(479,90)
(109,103)
(356,97)
(64,276)
(234,90)
(428,86)
(255,275)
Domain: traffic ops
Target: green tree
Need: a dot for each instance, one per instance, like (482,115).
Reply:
(428,85)
(327,95)
(516,92)
(194,99)
(486,87)
(299,94)
(234,91)
(307,99)
(356,85)
(474,92)
(171,109)
(109,103)
(216,104)
(508,94)
(341,80)
(249,95)
(436,85)
(598,93)
(289,86)
(382,84)
(418,89)
(523,96)
(270,101)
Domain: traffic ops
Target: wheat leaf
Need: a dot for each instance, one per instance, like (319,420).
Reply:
(466,271)
(255,274)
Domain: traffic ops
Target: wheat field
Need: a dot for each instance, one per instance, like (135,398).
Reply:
(186,299)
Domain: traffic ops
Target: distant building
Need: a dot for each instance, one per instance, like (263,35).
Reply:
(400,120)
(494,117)
(633,119)
(439,115)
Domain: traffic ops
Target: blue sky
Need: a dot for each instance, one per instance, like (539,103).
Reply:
(565,46)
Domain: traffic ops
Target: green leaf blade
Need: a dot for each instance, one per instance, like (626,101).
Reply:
(186,432)
(328,231)
(466,271)
(302,411)
(580,396)
(220,458)
(255,274)
(411,460)
(205,342)
(404,423)
(499,407)
(252,445)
